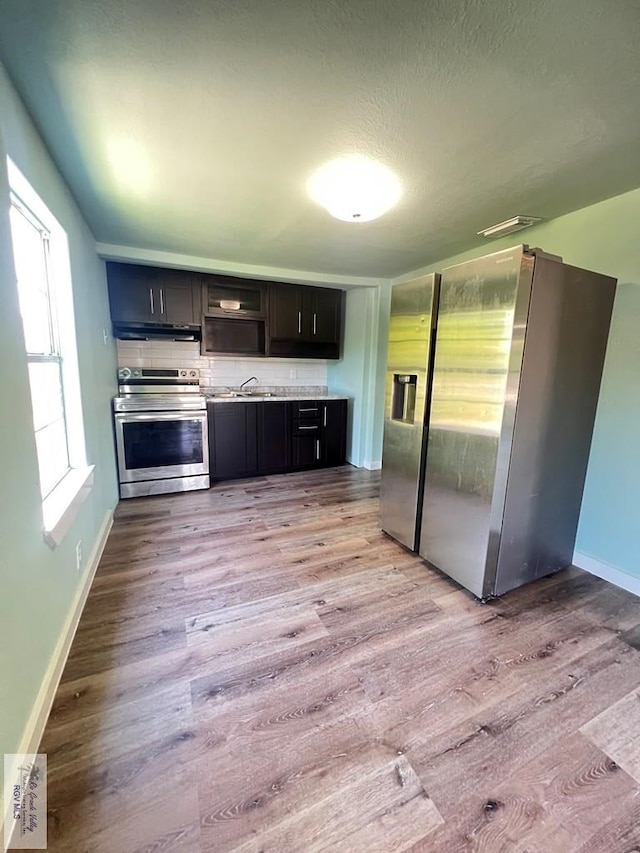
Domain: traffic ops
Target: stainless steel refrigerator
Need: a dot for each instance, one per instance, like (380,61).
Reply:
(414,306)
(485,478)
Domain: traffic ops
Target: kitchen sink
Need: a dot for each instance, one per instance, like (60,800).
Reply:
(226,394)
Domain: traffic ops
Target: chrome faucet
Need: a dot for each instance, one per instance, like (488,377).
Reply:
(246,382)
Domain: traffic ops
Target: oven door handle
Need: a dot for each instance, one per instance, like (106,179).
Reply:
(195,415)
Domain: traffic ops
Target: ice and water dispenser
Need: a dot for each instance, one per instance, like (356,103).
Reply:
(403,406)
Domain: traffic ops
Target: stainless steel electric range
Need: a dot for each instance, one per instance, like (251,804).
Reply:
(161,431)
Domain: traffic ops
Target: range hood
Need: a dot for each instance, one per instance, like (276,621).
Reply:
(155,332)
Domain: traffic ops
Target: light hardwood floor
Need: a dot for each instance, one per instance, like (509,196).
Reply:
(259,668)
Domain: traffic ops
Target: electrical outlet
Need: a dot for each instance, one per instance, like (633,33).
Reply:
(79,554)
(293,374)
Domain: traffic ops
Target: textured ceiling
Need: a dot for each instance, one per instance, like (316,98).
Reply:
(193,126)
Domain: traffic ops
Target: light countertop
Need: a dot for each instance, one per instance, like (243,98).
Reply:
(275,398)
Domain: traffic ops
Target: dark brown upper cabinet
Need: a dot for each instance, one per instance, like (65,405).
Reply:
(140,295)
(226,296)
(325,311)
(285,312)
(232,316)
(304,322)
(180,299)
(241,336)
(235,316)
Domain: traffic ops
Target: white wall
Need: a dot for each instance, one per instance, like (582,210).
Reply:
(39,587)
(356,373)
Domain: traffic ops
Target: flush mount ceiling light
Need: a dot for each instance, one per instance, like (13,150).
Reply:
(355,189)
(516,223)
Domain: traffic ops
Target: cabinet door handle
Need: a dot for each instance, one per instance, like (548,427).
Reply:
(308,410)
(161,301)
(299,322)
(153,310)
(308,427)
(318,449)
(324,417)
(315,323)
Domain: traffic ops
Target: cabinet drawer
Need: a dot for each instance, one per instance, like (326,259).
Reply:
(307,426)
(306,409)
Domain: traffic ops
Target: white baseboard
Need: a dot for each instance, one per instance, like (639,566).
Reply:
(367,463)
(607,572)
(37,721)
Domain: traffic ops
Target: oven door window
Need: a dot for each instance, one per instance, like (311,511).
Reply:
(162,443)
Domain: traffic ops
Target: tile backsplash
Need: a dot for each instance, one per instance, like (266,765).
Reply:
(222,371)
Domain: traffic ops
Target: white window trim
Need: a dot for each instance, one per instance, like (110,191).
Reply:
(61,506)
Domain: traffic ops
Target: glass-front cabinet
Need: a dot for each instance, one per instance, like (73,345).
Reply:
(227,296)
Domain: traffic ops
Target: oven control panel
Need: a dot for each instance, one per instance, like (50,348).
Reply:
(162,374)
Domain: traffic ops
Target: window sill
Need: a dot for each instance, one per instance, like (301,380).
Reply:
(62,505)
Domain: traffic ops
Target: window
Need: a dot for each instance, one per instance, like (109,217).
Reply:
(41,263)
(38,309)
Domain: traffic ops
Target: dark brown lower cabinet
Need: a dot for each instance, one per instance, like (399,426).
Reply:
(251,438)
(233,439)
(307,452)
(307,435)
(274,437)
(334,432)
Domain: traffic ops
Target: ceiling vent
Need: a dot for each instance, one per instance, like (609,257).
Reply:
(516,223)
